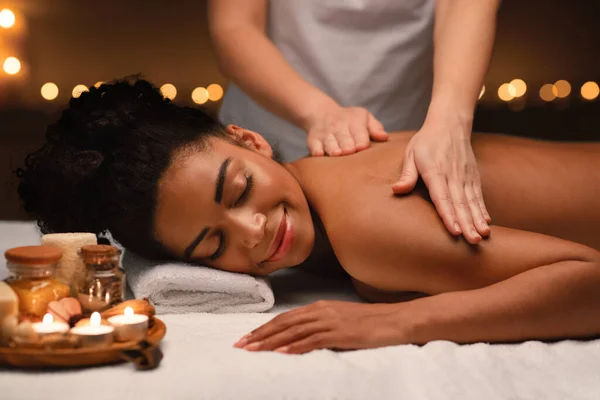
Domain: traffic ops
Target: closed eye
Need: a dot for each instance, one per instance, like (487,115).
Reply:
(246,193)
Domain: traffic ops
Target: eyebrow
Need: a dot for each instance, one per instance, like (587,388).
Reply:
(221,180)
(218,197)
(190,249)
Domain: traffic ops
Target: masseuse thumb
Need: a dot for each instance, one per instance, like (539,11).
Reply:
(376,129)
(408,177)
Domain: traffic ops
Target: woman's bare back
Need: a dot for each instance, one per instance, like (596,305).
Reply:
(544,187)
(536,192)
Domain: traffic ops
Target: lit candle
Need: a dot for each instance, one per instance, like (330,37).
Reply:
(48,326)
(129,326)
(95,334)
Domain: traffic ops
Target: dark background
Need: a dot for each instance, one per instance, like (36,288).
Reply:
(72,42)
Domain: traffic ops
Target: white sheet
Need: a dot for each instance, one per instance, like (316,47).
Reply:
(200,363)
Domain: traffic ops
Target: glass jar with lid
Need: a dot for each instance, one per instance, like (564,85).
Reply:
(104,283)
(32,275)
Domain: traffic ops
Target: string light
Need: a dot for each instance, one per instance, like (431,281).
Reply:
(590,90)
(548,92)
(7,18)
(506,92)
(77,90)
(12,65)
(200,95)
(482,92)
(563,88)
(215,92)
(169,91)
(49,91)
(520,87)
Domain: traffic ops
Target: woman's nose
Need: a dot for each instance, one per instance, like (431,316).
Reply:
(252,227)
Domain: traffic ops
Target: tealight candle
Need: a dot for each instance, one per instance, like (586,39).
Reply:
(94,334)
(48,326)
(129,326)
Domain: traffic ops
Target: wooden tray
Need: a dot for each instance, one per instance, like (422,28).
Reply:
(145,354)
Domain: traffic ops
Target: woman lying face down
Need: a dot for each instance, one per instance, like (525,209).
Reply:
(172,182)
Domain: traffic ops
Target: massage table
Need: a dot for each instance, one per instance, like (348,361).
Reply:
(200,363)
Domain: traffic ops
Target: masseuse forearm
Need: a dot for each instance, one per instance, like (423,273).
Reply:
(463,40)
(251,60)
(561,300)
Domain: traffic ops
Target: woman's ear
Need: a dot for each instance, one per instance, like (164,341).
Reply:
(251,139)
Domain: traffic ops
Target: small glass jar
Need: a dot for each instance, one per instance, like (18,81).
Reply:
(104,283)
(32,275)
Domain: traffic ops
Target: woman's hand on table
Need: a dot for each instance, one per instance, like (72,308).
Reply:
(336,131)
(441,153)
(327,325)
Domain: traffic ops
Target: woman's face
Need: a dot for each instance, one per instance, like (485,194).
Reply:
(233,208)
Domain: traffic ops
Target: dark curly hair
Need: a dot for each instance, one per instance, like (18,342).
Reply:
(99,168)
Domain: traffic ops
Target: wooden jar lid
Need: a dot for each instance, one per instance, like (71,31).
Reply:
(33,255)
(92,250)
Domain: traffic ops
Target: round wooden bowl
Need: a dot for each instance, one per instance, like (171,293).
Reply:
(84,357)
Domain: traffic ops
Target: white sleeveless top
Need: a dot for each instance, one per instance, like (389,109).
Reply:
(376,54)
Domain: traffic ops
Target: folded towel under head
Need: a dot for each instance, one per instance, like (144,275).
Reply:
(176,288)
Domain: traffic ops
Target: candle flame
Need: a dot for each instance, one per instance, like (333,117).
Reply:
(95,319)
(128,311)
(48,319)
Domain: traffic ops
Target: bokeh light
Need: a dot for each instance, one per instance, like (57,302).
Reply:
(12,65)
(77,90)
(98,84)
(215,92)
(563,88)
(506,92)
(590,90)
(7,18)
(200,95)
(49,91)
(482,91)
(548,92)
(520,87)
(169,91)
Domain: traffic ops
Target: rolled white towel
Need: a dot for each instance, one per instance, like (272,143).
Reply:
(70,267)
(176,288)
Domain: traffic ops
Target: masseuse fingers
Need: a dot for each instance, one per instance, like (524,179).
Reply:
(463,212)
(287,336)
(315,146)
(359,131)
(345,140)
(440,196)
(409,175)
(478,219)
(330,144)
(376,129)
(479,195)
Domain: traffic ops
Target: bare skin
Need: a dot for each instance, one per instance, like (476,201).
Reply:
(547,188)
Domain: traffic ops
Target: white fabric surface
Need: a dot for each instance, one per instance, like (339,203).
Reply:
(200,363)
(363,53)
(179,288)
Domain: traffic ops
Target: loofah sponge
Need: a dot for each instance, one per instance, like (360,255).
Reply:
(70,267)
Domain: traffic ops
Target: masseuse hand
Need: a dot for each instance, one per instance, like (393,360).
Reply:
(327,325)
(442,154)
(335,131)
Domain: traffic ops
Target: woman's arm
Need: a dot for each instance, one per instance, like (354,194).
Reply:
(441,151)
(555,301)
(250,59)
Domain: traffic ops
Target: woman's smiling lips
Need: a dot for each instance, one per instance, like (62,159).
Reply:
(282,242)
